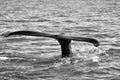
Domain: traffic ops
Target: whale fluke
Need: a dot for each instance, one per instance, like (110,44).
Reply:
(64,41)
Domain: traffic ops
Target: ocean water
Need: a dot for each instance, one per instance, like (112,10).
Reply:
(38,58)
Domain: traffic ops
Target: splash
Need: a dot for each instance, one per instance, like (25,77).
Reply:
(89,53)
(85,55)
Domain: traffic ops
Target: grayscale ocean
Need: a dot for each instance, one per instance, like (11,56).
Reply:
(39,58)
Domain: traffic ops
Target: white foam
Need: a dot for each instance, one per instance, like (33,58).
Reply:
(95,59)
(3,58)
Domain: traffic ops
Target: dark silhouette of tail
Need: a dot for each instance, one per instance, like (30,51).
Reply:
(64,41)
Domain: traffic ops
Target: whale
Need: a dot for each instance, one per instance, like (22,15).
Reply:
(63,40)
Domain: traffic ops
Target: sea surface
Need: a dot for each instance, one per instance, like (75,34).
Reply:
(39,58)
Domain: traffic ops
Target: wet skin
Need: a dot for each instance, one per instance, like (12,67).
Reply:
(64,41)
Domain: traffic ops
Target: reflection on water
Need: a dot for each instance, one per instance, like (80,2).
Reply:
(38,58)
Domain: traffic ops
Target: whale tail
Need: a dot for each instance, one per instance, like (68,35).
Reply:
(29,33)
(64,41)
